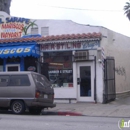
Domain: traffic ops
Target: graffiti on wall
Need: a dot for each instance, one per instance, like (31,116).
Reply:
(120,71)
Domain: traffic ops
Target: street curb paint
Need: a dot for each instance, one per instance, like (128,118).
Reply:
(61,113)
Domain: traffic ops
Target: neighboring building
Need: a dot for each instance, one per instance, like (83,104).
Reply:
(82,61)
(5,6)
(16,55)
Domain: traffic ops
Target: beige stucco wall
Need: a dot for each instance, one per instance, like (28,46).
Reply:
(118,46)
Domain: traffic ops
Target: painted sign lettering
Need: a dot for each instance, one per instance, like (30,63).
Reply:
(60,71)
(15,19)
(11,34)
(12,27)
(70,46)
(15,50)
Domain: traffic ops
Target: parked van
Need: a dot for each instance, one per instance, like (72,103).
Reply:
(25,90)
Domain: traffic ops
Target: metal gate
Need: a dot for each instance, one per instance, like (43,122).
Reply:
(45,69)
(109,80)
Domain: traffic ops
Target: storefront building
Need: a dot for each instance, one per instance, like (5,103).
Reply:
(18,56)
(15,53)
(68,61)
(69,54)
(71,64)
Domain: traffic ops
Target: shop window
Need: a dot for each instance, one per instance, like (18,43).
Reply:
(60,68)
(30,62)
(45,31)
(13,60)
(34,31)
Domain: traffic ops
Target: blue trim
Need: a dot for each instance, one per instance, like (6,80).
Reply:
(17,43)
(21,63)
(28,36)
(21,51)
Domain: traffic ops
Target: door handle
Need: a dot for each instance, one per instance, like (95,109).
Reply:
(78,80)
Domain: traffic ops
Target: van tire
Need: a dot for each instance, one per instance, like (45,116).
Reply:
(35,111)
(18,107)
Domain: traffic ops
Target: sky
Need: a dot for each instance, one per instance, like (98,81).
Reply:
(106,13)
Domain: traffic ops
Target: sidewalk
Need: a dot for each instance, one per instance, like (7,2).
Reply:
(118,108)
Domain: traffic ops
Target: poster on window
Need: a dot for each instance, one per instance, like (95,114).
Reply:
(61,78)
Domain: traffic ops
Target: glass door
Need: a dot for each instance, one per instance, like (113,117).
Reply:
(13,67)
(85,81)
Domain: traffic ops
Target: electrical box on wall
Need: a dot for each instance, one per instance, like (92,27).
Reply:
(81,55)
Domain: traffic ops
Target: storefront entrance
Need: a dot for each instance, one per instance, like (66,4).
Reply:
(13,67)
(19,57)
(85,81)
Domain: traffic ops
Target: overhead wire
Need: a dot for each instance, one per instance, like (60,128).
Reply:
(61,7)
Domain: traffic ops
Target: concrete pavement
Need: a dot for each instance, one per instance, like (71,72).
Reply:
(118,108)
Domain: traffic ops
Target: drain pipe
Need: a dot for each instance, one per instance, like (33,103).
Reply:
(95,86)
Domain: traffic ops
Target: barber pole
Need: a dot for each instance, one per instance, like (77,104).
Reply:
(103,57)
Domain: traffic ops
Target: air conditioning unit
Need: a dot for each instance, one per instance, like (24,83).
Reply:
(81,55)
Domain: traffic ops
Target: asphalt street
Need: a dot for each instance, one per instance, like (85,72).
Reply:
(40,122)
(92,118)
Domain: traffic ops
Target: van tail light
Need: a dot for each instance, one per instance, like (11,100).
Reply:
(37,94)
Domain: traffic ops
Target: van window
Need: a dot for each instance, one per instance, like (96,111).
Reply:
(41,80)
(19,80)
(4,79)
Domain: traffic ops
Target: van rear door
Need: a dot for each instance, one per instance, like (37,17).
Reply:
(44,92)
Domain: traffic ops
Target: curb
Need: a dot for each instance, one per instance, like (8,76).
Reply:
(69,113)
(61,113)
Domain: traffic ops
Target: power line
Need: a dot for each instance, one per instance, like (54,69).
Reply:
(61,7)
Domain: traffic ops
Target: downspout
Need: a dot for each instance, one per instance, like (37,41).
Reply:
(95,86)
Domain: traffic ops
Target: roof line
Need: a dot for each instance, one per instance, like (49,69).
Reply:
(62,37)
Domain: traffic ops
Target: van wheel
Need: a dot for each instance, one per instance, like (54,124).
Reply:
(18,107)
(35,111)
